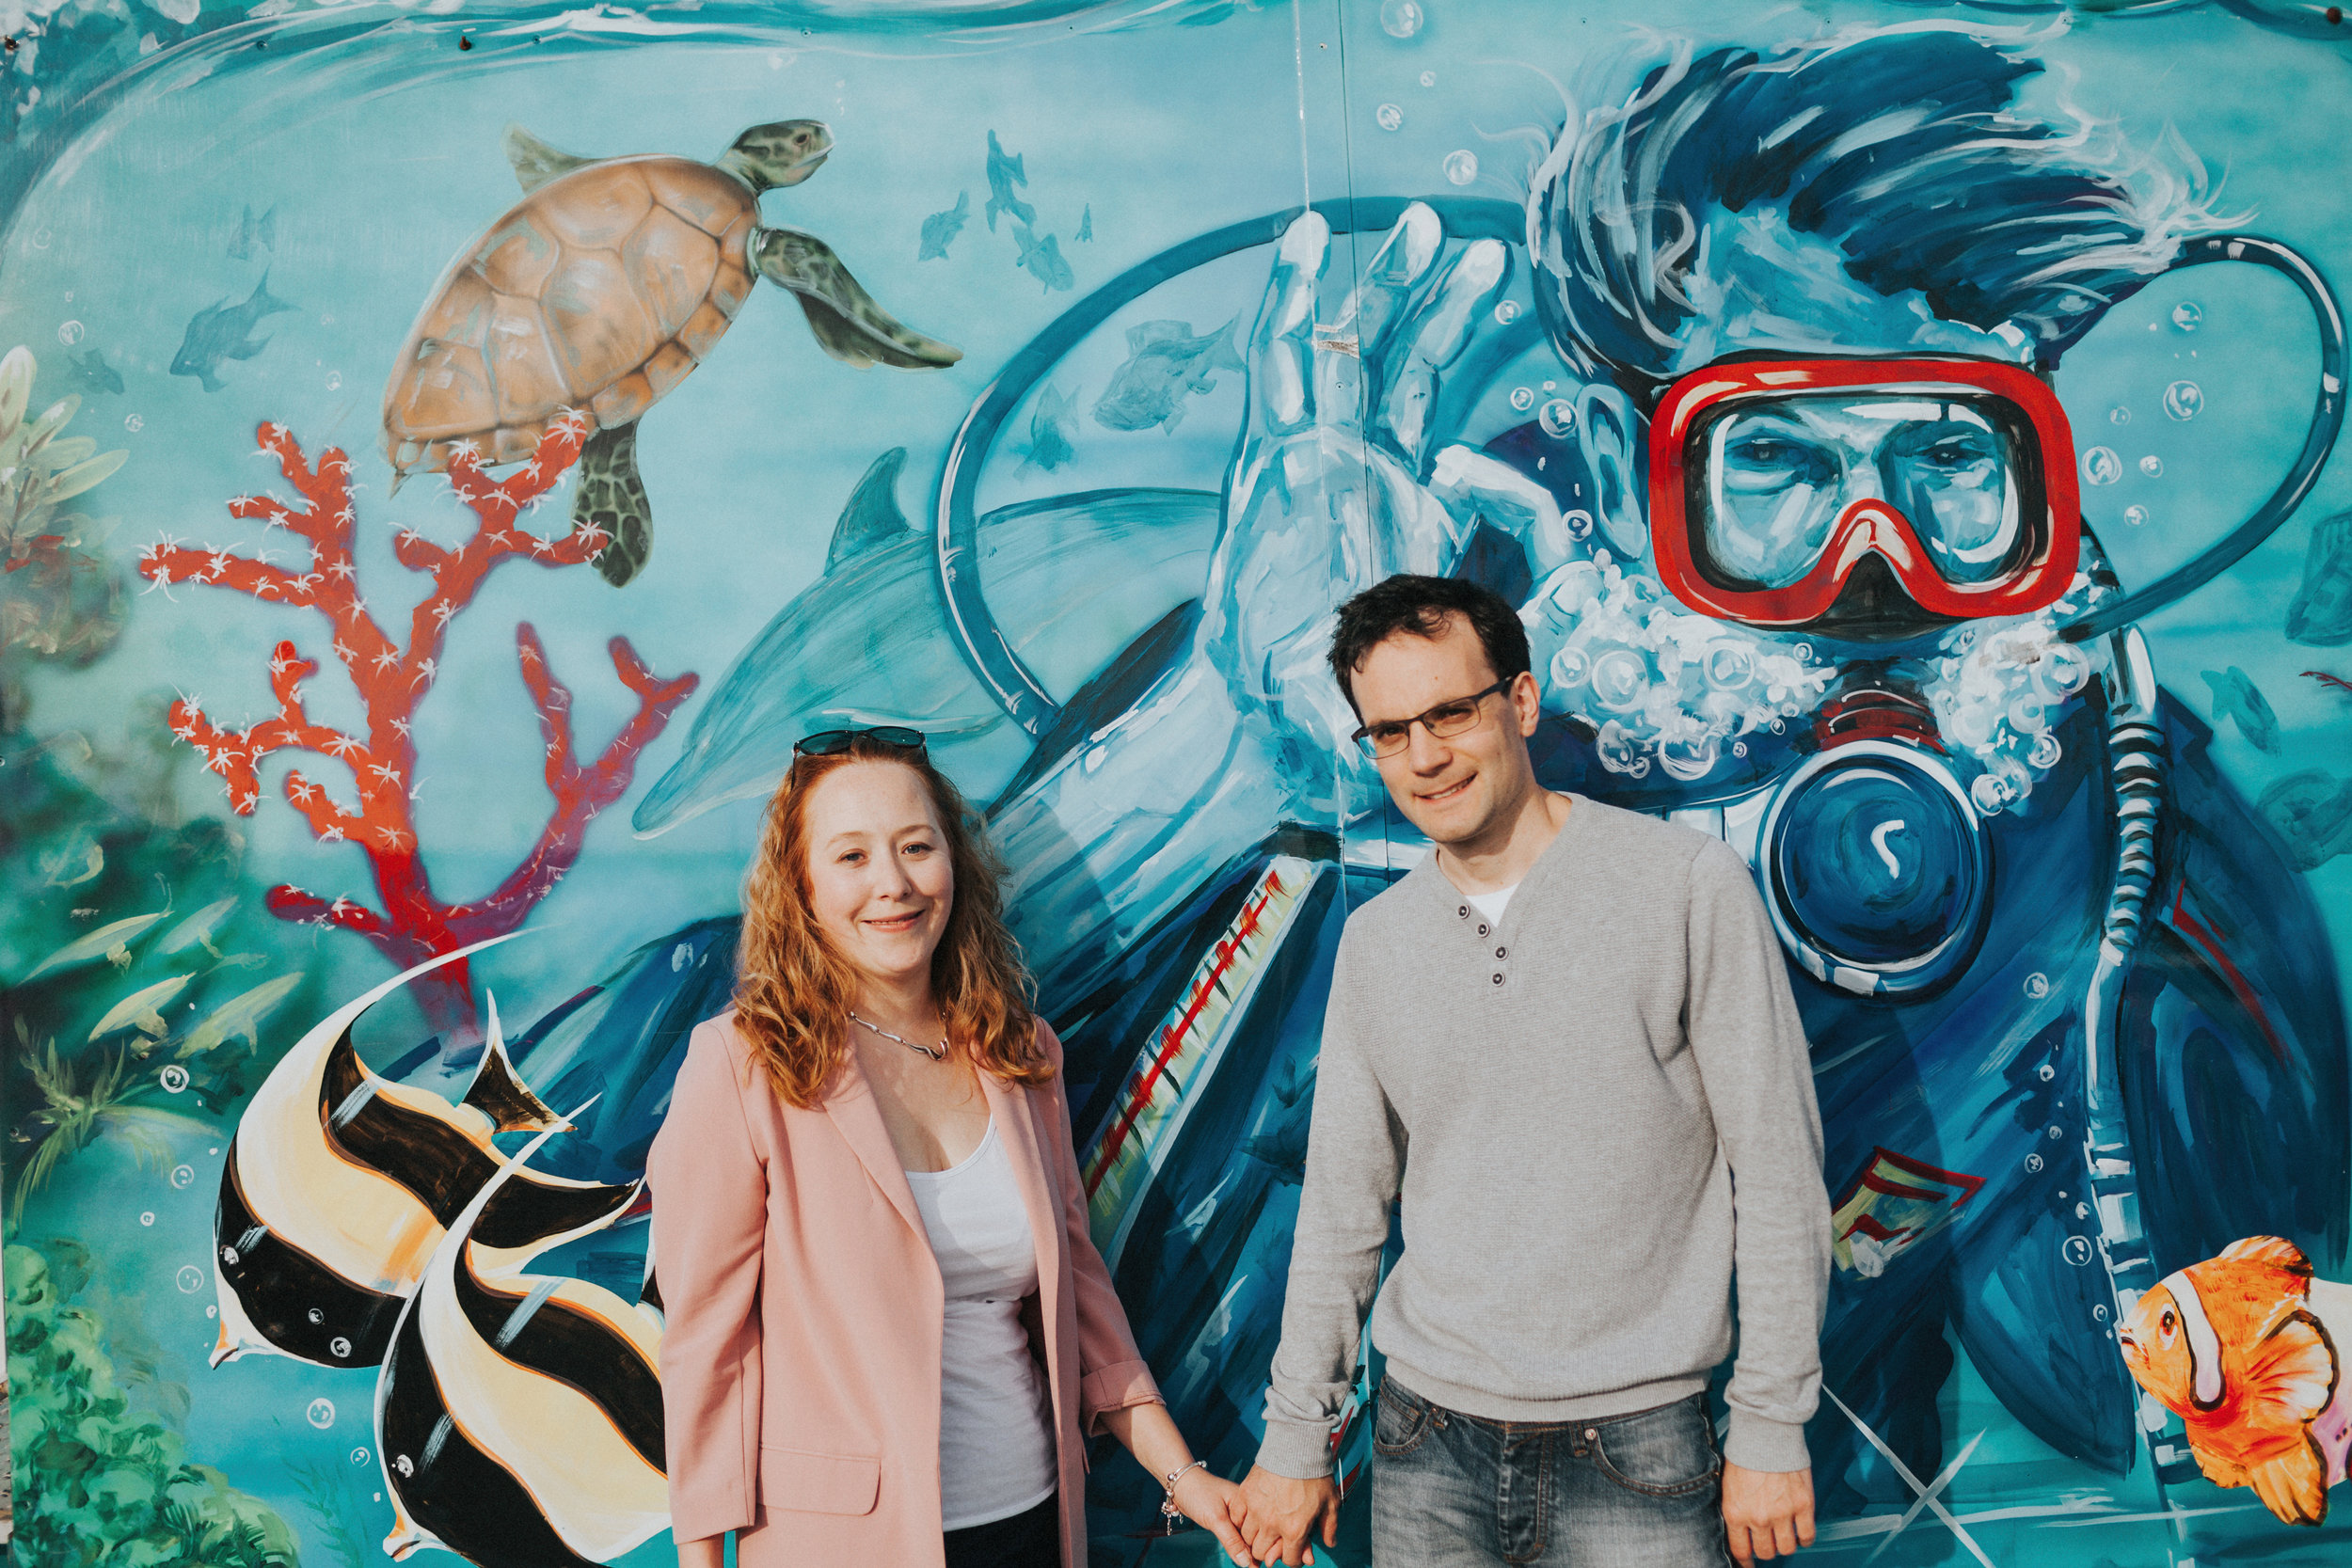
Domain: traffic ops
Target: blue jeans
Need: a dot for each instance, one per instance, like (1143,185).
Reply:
(1453,1491)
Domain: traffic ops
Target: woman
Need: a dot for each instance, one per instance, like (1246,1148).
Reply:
(889,1334)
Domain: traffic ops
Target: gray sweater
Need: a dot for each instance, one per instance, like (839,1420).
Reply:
(1591,1114)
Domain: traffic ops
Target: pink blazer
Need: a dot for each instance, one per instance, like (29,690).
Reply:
(799,1367)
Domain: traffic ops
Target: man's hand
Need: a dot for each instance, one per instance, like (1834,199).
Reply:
(1283,1514)
(1766,1512)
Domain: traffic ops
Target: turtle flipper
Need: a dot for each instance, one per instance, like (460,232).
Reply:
(536,163)
(611,497)
(849,325)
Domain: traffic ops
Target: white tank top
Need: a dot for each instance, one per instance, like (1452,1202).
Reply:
(996,1453)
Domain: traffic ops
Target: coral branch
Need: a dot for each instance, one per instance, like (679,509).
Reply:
(392,678)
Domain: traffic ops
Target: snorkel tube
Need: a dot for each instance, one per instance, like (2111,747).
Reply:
(2318,441)
(958,560)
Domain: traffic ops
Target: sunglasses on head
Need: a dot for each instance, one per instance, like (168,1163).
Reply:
(828,743)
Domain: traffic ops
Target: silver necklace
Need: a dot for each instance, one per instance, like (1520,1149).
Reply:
(939,1054)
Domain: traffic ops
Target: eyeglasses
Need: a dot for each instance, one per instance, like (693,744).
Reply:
(1770,481)
(830,743)
(1447,719)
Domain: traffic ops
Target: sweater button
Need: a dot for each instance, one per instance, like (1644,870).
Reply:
(1498,979)
(1500,952)
(1482,930)
(1463,912)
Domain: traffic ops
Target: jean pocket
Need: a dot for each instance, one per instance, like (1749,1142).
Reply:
(1666,1453)
(1400,1420)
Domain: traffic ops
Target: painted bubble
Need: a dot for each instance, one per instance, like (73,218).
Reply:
(358,1456)
(69,333)
(1579,523)
(2045,753)
(41,238)
(340,1347)
(2100,466)
(212,1311)
(147,1218)
(183,1176)
(2057,1131)
(1571,667)
(2188,316)
(2136,515)
(1558,416)
(1506,312)
(1461,166)
(315,1316)
(2099,1312)
(133,423)
(1401,19)
(2119,415)
(1387,117)
(2151,465)
(1620,680)
(1522,398)
(2046,1072)
(334,381)
(2183,400)
(1429,78)
(2076,1250)
(1738,748)
(2036,985)
(2034,1163)
(321,1413)
(190,1279)
(1728,666)
(174,1078)
(679,956)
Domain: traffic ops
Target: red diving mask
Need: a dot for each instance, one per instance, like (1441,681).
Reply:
(1865,499)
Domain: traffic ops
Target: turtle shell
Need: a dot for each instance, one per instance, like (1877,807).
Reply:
(598,291)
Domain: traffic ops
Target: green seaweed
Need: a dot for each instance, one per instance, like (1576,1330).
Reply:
(98,1485)
(334,1504)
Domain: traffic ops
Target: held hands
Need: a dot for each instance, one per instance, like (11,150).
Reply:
(1766,1512)
(1278,1516)
(1215,1504)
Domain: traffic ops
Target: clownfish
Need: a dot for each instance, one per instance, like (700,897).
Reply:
(2240,1347)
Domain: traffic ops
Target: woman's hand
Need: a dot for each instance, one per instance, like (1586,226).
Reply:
(1215,1504)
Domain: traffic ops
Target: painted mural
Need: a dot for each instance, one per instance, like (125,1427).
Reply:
(1908,429)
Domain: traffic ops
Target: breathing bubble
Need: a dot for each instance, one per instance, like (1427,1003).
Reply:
(2099,1313)
(190,1279)
(147,1218)
(212,1311)
(174,1078)
(69,333)
(1387,117)
(1570,667)
(2057,1131)
(1429,78)
(2044,753)
(340,1347)
(1401,19)
(2183,400)
(315,1316)
(2034,1164)
(2151,465)
(41,238)
(1506,313)
(2119,415)
(321,1413)
(2100,466)
(2188,316)
(1522,398)
(1461,166)
(2046,1071)
(133,423)
(1620,678)
(183,1175)
(2076,1250)
(334,381)
(2037,986)
(358,1456)
(1580,524)
(2136,515)
(1558,416)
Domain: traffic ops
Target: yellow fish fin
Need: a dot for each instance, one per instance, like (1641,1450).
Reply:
(2275,1251)
(2294,1484)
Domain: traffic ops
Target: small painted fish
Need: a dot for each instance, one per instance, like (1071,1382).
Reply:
(1050,424)
(2235,696)
(2311,811)
(941,228)
(1086,223)
(254,233)
(1163,362)
(2239,1347)
(224,331)
(240,1017)
(2320,614)
(142,1009)
(1004,173)
(89,372)
(1043,259)
(111,940)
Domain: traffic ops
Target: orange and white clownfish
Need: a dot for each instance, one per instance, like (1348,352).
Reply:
(2244,1349)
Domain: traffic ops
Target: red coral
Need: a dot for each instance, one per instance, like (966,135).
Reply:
(414,925)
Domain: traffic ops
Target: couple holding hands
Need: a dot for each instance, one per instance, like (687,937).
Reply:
(1564,1043)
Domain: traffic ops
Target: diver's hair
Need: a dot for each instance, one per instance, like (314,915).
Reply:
(1898,146)
(1420,607)
(793,992)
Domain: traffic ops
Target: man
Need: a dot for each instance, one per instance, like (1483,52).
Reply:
(1565,1043)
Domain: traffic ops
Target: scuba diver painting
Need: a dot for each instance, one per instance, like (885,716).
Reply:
(1905,450)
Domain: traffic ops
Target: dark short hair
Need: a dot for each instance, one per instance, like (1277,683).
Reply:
(1420,606)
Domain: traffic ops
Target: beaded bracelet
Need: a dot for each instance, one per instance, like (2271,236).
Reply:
(1169,1510)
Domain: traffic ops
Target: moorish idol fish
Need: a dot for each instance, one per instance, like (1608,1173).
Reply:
(339,1185)
(2247,1349)
(518,1417)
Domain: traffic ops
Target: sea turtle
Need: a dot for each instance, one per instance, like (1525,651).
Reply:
(600,290)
